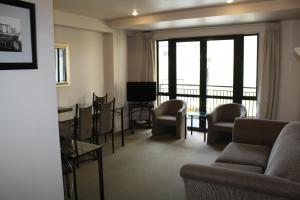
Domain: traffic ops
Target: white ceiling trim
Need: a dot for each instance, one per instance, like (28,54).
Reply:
(225,10)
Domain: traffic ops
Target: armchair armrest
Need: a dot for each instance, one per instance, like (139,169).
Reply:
(256,131)
(224,182)
(211,118)
(182,111)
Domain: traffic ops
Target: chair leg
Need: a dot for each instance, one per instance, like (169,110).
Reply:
(105,136)
(67,181)
(113,141)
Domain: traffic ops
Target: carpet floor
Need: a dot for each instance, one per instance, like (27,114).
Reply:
(147,168)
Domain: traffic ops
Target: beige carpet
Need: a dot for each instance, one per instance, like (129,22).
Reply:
(147,168)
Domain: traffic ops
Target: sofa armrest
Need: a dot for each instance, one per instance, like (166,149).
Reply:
(224,182)
(256,131)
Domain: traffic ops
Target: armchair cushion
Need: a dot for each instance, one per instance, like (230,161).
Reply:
(245,154)
(166,119)
(224,126)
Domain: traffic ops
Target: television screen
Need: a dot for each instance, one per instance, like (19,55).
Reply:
(141,91)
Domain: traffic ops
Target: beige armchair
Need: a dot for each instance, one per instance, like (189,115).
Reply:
(221,120)
(169,116)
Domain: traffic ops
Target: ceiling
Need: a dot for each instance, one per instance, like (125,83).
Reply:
(167,14)
(112,9)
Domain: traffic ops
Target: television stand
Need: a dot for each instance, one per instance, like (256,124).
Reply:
(137,107)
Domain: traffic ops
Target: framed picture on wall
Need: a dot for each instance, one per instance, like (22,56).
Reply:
(17,35)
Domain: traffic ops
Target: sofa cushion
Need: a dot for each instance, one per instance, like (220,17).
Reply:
(284,159)
(224,126)
(166,120)
(248,168)
(245,154)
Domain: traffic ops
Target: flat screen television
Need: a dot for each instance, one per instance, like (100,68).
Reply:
(141,91)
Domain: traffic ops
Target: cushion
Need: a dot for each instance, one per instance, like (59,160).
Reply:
(248,168)
(245,154)
(166,120)
(224,126)
(284,159)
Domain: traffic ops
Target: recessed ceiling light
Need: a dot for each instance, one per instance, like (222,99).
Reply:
(229,1)
(134,12)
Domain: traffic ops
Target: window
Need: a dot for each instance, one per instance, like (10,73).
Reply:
(62,64)
(208,71)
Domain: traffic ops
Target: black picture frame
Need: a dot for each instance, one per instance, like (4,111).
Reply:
(16,45)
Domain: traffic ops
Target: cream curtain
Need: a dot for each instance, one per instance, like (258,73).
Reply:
(149,69)
(269,80)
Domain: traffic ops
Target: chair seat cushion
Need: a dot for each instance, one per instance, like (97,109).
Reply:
(284,159)
(245,154)
(248,168)
(166,120)
(224,126)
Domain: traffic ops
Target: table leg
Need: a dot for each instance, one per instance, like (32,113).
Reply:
(192,124)
(130,120)
(74,177)
(185,119)
(100,174)
(122,128)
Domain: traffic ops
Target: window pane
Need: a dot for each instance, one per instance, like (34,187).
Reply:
(163,64)
(250,105)
(193,103)
(162,98)
(250,65)
(220,54)
(56,65)
(62,65)
(188,67)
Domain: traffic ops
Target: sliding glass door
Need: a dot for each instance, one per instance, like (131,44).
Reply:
(220,71)
(208,71)
(188,74)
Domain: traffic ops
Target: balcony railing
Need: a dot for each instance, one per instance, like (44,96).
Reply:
(214,97)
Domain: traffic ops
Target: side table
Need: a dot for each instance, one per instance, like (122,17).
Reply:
(201,116)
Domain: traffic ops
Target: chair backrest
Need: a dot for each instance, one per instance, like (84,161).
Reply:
(173,105)
(99,99)
(106,116)
(228,112)
(84,123)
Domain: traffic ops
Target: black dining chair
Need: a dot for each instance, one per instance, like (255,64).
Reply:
(83,126)
(105,121)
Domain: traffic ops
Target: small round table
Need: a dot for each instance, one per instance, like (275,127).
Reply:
(201,116)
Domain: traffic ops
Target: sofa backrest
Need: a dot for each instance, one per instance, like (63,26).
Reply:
(256,131)
(284,160)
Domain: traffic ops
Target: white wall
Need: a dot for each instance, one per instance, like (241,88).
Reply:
(98,59)
(289,98)
(30,153)
(135,57)
(86,65)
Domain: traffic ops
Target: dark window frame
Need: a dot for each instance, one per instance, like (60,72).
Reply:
(238,76)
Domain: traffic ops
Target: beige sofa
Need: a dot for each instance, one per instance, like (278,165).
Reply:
(261,162)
